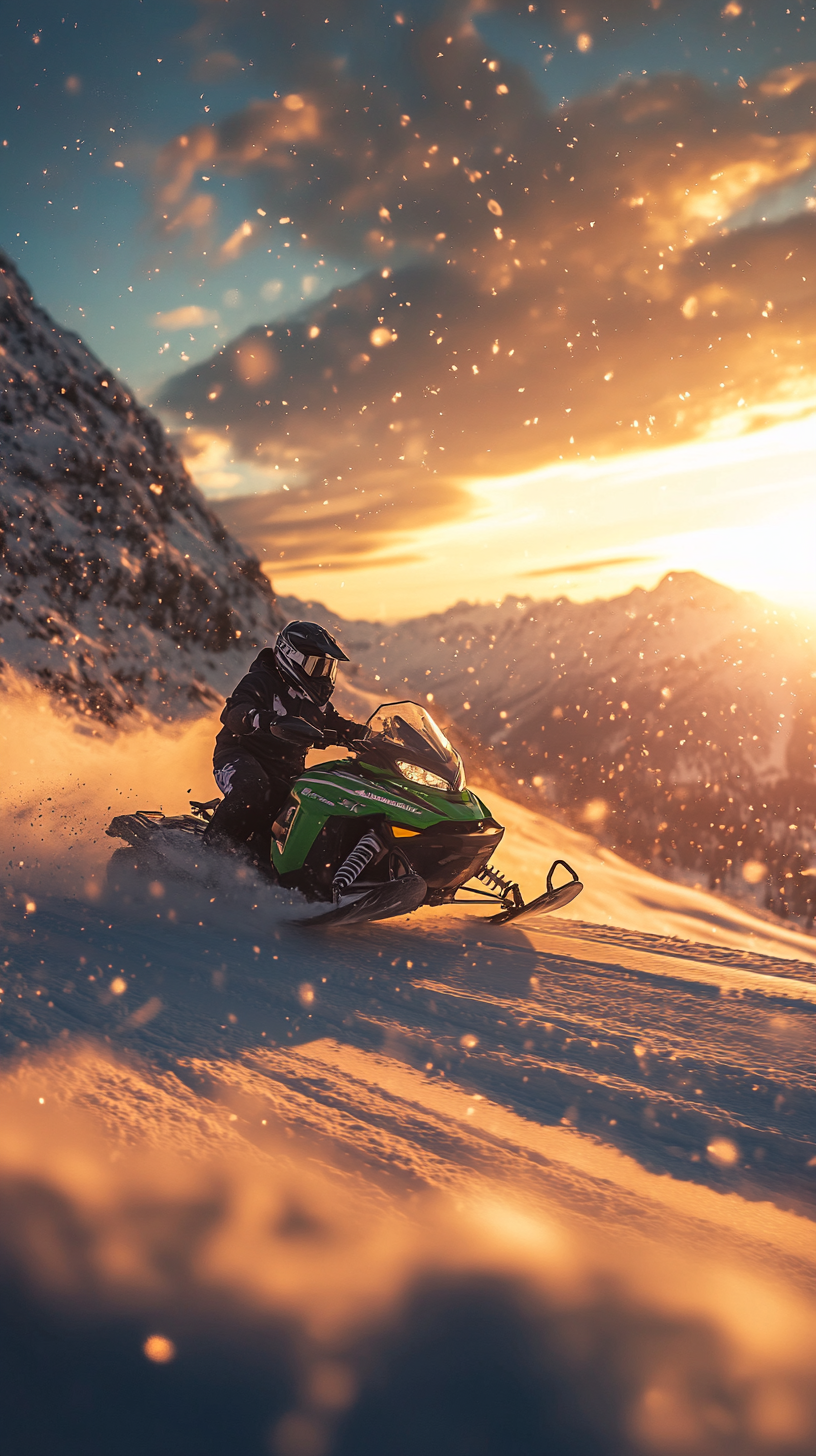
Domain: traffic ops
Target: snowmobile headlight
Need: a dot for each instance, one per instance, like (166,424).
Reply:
(422,776)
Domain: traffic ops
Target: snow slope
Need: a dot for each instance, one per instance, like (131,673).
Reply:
(431,1099)
(656,1047)
(617,893)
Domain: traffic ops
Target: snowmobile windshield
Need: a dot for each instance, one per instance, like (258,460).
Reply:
(406,725)
(416,746)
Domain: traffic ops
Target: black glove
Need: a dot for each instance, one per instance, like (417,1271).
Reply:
(292,730)
(359,736)
(299,732)
(260,721)
(352,736)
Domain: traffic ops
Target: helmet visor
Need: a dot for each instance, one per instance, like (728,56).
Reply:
(321,667)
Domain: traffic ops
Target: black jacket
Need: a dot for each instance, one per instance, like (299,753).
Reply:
(264,689)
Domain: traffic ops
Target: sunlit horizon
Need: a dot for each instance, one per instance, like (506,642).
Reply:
(598,528)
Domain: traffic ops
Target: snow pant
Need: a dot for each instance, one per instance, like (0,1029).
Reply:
(252,798)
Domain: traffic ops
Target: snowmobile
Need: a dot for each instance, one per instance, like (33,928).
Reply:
(379,833)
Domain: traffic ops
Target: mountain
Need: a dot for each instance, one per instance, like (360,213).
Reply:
(679,723)
(119,587)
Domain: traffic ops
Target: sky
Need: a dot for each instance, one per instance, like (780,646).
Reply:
(445,301)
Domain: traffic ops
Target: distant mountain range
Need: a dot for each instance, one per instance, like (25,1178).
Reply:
(119,587)
(679,724)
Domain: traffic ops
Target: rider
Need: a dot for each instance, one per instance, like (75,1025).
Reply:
(276,713)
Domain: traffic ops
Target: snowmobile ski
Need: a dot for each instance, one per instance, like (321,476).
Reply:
(397,897)
(553,898)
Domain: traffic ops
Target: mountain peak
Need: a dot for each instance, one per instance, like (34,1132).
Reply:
(121,587)
(686,583)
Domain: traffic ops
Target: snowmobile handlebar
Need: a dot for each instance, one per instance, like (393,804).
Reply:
(308,735)
(297,730)
(363,740)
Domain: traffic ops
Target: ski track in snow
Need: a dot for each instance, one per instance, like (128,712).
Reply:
(570,1067)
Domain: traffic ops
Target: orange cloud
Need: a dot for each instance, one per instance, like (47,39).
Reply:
(566,283)
(343,524)
(237,243)
(787,79)
(189,316)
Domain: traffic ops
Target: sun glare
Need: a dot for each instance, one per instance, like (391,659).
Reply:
(741,510)
(750,501)
(774,557)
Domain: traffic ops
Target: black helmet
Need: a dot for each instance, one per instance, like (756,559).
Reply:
(307,655)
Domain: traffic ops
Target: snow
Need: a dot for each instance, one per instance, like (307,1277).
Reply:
(618,893)
(606,1098)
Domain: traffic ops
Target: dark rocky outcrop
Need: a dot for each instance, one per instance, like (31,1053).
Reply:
(119,587)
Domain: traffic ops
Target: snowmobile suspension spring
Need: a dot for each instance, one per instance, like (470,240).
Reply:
(362,854)
(496,880)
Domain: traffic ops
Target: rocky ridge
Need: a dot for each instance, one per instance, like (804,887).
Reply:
(119,587)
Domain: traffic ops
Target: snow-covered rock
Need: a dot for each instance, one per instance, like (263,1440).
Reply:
(120,588)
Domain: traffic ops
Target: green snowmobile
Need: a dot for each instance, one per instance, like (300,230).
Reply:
(382,832)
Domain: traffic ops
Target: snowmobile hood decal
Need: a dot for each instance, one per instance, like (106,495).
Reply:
(381,799)
(395,801)
(311,794)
